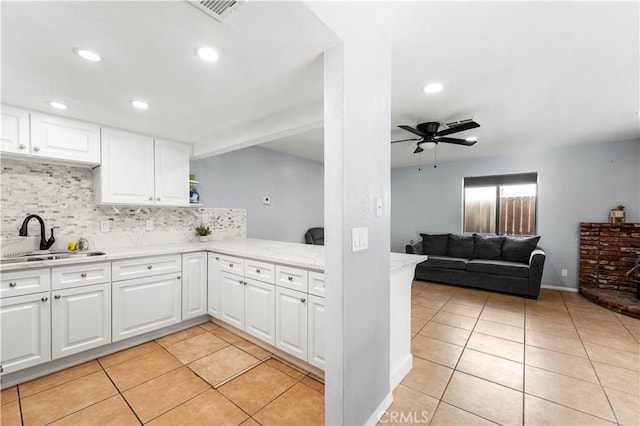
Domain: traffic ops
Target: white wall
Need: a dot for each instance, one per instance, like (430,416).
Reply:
(241,178)
(576,184)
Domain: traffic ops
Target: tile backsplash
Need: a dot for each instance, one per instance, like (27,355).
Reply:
(63,196)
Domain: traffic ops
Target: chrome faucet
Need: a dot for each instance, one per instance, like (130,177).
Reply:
(44,244)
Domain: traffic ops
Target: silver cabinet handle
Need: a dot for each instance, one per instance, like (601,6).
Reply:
(303,300)
(83,275)
(257,271)
(57,296)
(13,284)
(44,299)
(149,267)
(158,199)
(217,258)
(150,198)
(36,148)
(241,282)
(21,146)
(178,277)
(290,278)
(231,265)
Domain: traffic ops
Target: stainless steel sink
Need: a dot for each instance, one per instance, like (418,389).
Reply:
(50,255)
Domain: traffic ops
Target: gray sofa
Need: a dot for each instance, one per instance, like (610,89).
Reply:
(504,264)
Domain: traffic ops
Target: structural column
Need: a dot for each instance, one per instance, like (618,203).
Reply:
(357,95)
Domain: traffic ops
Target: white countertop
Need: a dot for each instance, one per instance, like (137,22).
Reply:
(295,254)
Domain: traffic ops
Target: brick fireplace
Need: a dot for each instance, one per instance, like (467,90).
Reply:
(607,253)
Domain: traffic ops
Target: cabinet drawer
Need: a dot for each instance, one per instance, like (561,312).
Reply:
(261,271)
(235,265)
(293,278)
(316,283)
(80,275)
(146,267)
(19,283)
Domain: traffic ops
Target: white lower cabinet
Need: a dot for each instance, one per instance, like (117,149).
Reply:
(259,310)
(145,304)
(213,285)
(26,331)
(80,319)
(315,338)
(291,322)
(194,285)
(232,299)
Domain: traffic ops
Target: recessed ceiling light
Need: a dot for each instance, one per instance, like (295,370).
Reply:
(207,54)
(140,104)
(58,105)
(87,54)
(432,88)
(471,139)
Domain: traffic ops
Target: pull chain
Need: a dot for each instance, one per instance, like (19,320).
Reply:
(435,156)
(419,160)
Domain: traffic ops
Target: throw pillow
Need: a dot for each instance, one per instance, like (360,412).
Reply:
(519,249)
(460,246)
(486,247)
(435,244)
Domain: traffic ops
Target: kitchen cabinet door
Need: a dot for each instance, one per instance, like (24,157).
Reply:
(15,131)
(291,322)
(213,285)
(145,304)
(259,310)
(64,139)
(315,340)
(26,331)
(171,173)
(126,175)
(81,319)
(232,299)
(194,285)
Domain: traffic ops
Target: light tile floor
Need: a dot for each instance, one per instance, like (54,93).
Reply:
(479,358)
(203,375)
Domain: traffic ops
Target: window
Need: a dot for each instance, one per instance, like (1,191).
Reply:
(504,204)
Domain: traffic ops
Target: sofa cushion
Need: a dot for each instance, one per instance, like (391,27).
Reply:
(519,249)
(445,262)
(499,267)
(460,246)
(486,247)
(435,244)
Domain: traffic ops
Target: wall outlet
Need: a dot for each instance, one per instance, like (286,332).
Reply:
(104,226)
(148,225)
(565,273)
(359,239)
(266,200)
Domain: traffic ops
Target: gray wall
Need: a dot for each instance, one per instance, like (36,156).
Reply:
(575,184)
(240,179)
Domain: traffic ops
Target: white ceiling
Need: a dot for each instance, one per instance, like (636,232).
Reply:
(533,74)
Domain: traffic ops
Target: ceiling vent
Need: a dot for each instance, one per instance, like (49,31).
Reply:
(220,10)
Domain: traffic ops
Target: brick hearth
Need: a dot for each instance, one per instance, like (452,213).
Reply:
(607,253)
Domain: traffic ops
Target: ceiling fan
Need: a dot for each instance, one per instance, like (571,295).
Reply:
(430,135)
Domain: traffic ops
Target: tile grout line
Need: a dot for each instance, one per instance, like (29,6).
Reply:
(120,393)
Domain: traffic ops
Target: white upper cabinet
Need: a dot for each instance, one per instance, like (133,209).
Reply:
(136,170)
(15,131)
(171,173)
(64,139)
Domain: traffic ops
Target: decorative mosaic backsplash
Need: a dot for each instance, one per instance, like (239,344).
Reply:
(63,196)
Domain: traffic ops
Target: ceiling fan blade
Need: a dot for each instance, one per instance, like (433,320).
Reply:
(412,130)
(460,128)
(456,141)
(405,140)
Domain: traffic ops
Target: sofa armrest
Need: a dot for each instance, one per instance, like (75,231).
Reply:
(536,267)
(414,249)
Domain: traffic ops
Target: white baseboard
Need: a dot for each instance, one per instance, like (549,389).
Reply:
(400,371)
(382,408)
(555,287)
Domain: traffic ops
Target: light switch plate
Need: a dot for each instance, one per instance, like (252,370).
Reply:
(148,225)
(359,239)
(378,207)
(104,226)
